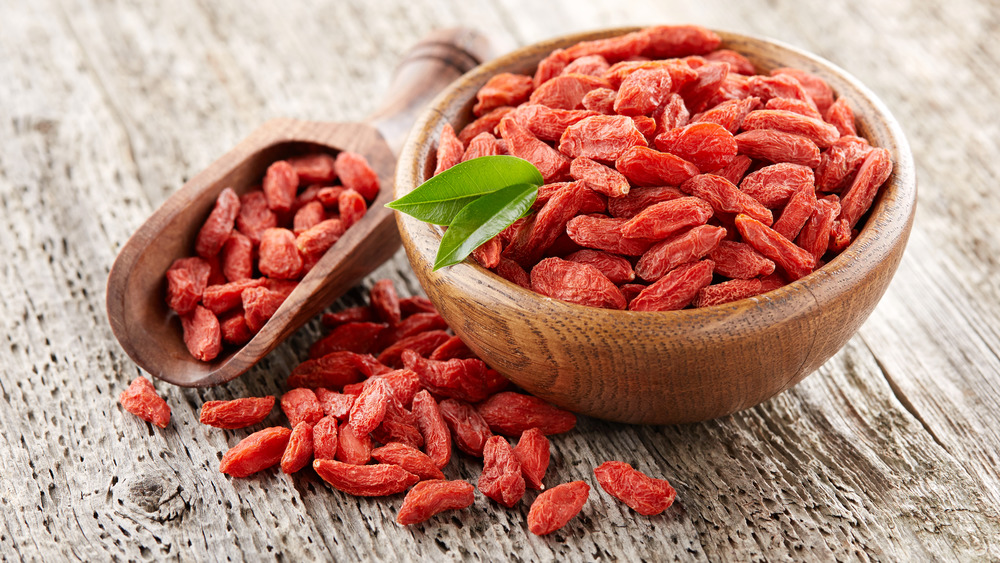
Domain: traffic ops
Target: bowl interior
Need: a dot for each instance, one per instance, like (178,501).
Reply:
(664,367)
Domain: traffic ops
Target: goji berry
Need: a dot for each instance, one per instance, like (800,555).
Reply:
(237,257)
(429,498)
(358,314)
(256,452)
(221,298)
(370,407)
(676,289)
(337,405)
(599,177)
(352,447)
(187,279)
(501,479)
(356,174)
(599,100)
(554,508)
(778,146)
(259,305)
(672,114)
(591,65)
(202,334)
(774,185)
(451,349)
(841,116)
(706,145)
(726,197)
(329,196)
(510,414)
(737,62)
(503,89)
(281,183)
(661,220)
(360,338)
(255,216)
(575,282)
(314,168)
(416,304)
(728,114)
(639,198)
(601,137)
(698,93)
(279,257)
(233,326)
(333,370)
(648,167)
(839,164)
(612,48)
(432,426)
(522,144)
(299,450)
(667,41)
(532,453)
(484,124)
(739,260)
(796,106)
(605,233)
(385,301)
(642,493)
(316,240)
(795,214)
(816,130)
(219,225)
(378,480)
(483,144)
(735,170)
(820,93)
(795,261)
(423,343)
(468,429)
(457,378)
(688,246)
(730,290)
(409,458)
(307,216)
(873,172)
(566,91)
(616,268)
(300,404)
(236,413)
(778,86)
(643,91)
(547,225)
(325,438)
(488,253)
(513,272)
(141,400)
(815,235)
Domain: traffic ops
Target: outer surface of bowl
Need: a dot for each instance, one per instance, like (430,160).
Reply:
(663,367)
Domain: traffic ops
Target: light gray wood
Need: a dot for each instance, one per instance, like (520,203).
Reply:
(890,451)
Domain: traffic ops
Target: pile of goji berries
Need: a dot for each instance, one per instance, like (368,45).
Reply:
(675,175)
(252,250)
(389,383)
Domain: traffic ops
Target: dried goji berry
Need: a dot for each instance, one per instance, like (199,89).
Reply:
(503,89)
(187,279)
(554,508)
(468,429)
(727,291)
(799,208)
(643,91)
(796,106)
(510,414)
(566,91)
(737,62)
(485,124)
(739,260)
(522,144)
(778,86)
(547,225)
(385,301)
(308,216)
(605,233)
(428,498)
(815,235)
(661,220)
(357,314)
(279,257)
(676,289)
(409,458)
(483,144)
(725,197)
(612,48)
(300,404)
(728,114)
(820,93)
(591,65)
(532,453)
(255,216)
(667,41)
(599,100)
(501,479)
(644,494)
(872,173)
(352,447)
(671,114)
(422,343)
(841,116)
(202,334)
(416,304)
(689,246)
(616,268)
(648,167)
(329,196)
(599,177)
(457,378)
(256,452)
(451,349)
(839,164)
(432,426)
(337,405)
(259,305)
(601,137)
(351,206)
(141,400)
(575,282)
(355,174)
(281,182)
(236,413)
(369,408)
(639,198)
(513,272)
(795,261)
(778,146)
(773,185)
(816,130)
(233,326)
(488,253)
(376,480)
(698,93)
(315,241)
(706,145)
(360,338)
(449,150)
(325,438)
(219,225)
(221,298)
(333,370)
(237,257)
(299,450)
(314,168)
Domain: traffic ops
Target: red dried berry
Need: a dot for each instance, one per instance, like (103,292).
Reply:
(532,453)
(646,495)
(648,167)
(795,261)
(601,137)
(256,452)
(501,479)
(279,257)
(554,508)
(355,174)
(237,257)
(510,414)
(370,407)
(503,89)
(463,379)
(337,405)
(326,440)
(255,216)
(219,225)
(468,429)
(778,146)
(683,248)
(202,334)
(575,282)
(236,413)
(434,429)
(314,168)
(141,400)
(409,458)
(377,480)
(281,182)
(301,404)
(676,289)
(352,447)
(299,450)
(664,219)
(187,279)
(428,498)
(522,144)
(360,338)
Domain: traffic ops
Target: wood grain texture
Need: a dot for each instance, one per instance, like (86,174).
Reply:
(887,452)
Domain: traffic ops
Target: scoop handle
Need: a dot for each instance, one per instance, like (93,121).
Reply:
(431,65)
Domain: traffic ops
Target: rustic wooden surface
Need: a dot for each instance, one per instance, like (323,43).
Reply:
(891,451)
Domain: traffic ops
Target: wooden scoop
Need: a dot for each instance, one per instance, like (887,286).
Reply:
(151,333)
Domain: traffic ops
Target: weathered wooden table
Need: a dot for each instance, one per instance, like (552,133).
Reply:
(889,452)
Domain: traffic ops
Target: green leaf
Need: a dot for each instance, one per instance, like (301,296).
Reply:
(482,220)
(440,199)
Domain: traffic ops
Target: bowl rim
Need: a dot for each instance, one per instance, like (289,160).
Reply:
(895,203)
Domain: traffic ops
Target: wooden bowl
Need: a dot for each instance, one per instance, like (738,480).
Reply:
(663,367)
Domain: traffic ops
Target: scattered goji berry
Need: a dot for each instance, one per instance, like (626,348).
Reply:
(501,479)
(236,413)
(202,333)
(299,450)
(300,404)
(554,508)
(432,426)
(468,429)
(352,447)
(360,338)
(141,400)
(457,378)
(532,453)
(511,413)
(325,438)
(256,452)
(409,458)
(378,480)
(642,493)
(369,408)
(429,498)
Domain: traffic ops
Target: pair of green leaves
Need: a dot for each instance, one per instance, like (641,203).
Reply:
(476,199)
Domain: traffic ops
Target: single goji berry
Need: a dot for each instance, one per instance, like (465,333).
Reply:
(360,338)
(281,182)
(352,447)
(668,41)
(839,164)
(259,305)
(488,253)
(329,196)
(795,261)
(279,257)
(337,405)
(566,91)
(432,426)
(237,257)
(739,260)
(501,479)
(605,233)
(219,225)
(255,216)
(233,326)
(730,290)
(503,89)
(599,177)
(532,453)
(873,172)
(591,65)
(639,198)
(451,349)
(688,246)
(308,216)
(325,438)
(676,289)
(778,146)
(202,333)
(616,268)
(601,137)
(795,214)
(256,452)
(457,378)
(554,508)
(316,240)
(841,116)
(299,450)
(773,185)
(468,429)
(428,498)
(523,144)
(698,93)
(484,124)
(221,298)
(409,458)
(778,86)
(797,106)
(385,301)
(815,235)
(737,62)
(483,144)
(725,197)
(728,114)
(333,370)
(706,145)
(511,413)
(664,219)
(141,400)
(820,93)
(300,404)
(370,407)
(644,494)
(643,91)
(449,150)
(356,174)
(314,168)
(575,282)
(612,48)
(187,279)
(381,479)
(599,100)
(423,343)
(648,167)
(816,130)
(357,314)
(236,413)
